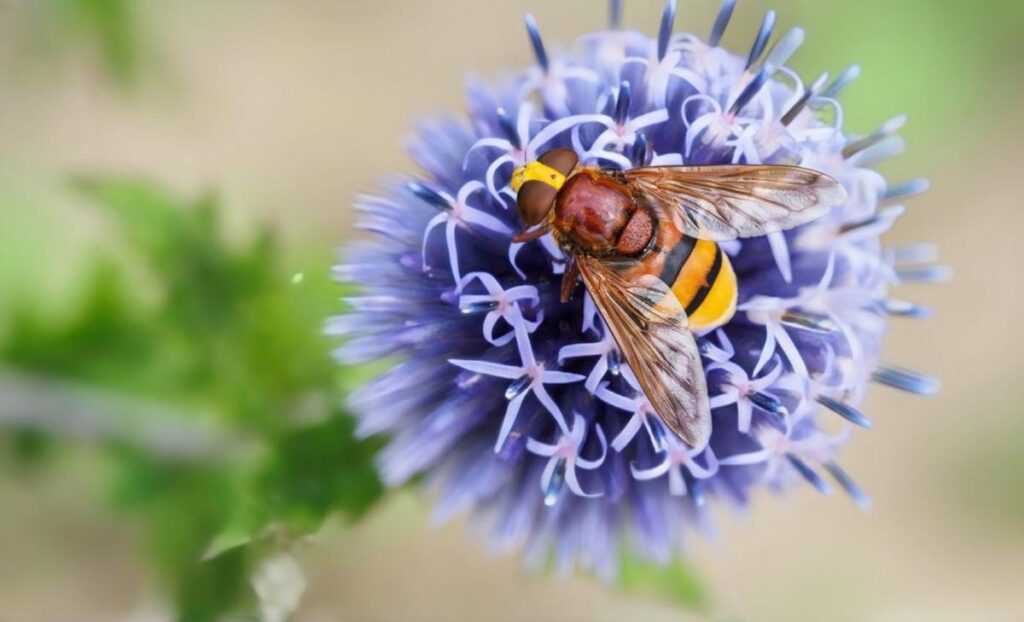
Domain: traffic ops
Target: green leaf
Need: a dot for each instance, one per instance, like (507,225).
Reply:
(27,449)
(320,469)
(676,582)
(111,26)
(217,326)
(104,339)
(181,506)
(239,532)
(209,589)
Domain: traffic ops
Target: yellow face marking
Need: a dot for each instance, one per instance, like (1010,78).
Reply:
(537,171)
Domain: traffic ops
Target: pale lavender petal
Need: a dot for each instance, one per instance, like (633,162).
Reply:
(489,369)
(625,437)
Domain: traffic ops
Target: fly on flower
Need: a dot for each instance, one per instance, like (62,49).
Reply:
(643,241)
(727,228)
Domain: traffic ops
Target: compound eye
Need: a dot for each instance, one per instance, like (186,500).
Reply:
(562,160)
(535,197)
(534,202)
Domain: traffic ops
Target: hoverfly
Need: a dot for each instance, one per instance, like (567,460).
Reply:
(644,243)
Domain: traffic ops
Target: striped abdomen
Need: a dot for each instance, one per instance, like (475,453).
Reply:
(597,214)
(702,278)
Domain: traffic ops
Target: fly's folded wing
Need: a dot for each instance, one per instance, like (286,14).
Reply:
(650,328)
(735,201)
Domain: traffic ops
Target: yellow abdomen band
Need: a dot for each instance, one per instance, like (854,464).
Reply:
(706,287)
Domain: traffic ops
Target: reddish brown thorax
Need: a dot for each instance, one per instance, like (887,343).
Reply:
(597,213)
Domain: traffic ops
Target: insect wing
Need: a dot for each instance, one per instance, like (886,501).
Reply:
(650,328)
(735,201)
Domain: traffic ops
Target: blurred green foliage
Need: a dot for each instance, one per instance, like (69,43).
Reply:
(989,476)
(676,582)
(114,28)
(252,449)
(940,61)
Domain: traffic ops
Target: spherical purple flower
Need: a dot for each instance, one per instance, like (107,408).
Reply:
(518,408)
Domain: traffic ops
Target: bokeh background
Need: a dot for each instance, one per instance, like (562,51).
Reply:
(275,113)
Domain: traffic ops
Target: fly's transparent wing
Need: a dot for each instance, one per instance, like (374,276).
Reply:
(650,328)
(735,201)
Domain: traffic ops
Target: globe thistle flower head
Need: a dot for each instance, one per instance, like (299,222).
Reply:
(518,408)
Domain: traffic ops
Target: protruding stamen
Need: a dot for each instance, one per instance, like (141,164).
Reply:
(806,97)
(887,129)
(888,214)
(907,189)
(809,321)
(536,42)
(848,485)
(784,48)
(428,194)
(614,361)
(615,14)
(923,274)
(808,474)
(508,126)
(766,402)
(721,22)
(918,253)
(516,388)
(668,17)
(761,40)
(411,262)
(554,486)
(472,308)
(843,80)
(658,432)
(749,92)
(885,149)
(903,308)
(845,411)
(697,493)
(905,380)
(638,152)
(465,380)
(622,103)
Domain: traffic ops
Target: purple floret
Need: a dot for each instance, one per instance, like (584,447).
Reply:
(518,408)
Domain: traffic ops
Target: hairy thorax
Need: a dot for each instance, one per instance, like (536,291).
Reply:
(597,213)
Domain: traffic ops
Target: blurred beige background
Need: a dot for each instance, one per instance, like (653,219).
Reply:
(289,108)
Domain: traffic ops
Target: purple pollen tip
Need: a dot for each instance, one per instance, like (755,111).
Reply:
(536,42)
(721,22)
(905,380)
(809,321)
(517,387)
(848,485)
(614,14)
(508,127)
(429,195)
(766,402)
(668,18)
(906,189)
(622,103)
(761,40)
(843,80)
(748,93)
(808,474)
(845,411)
